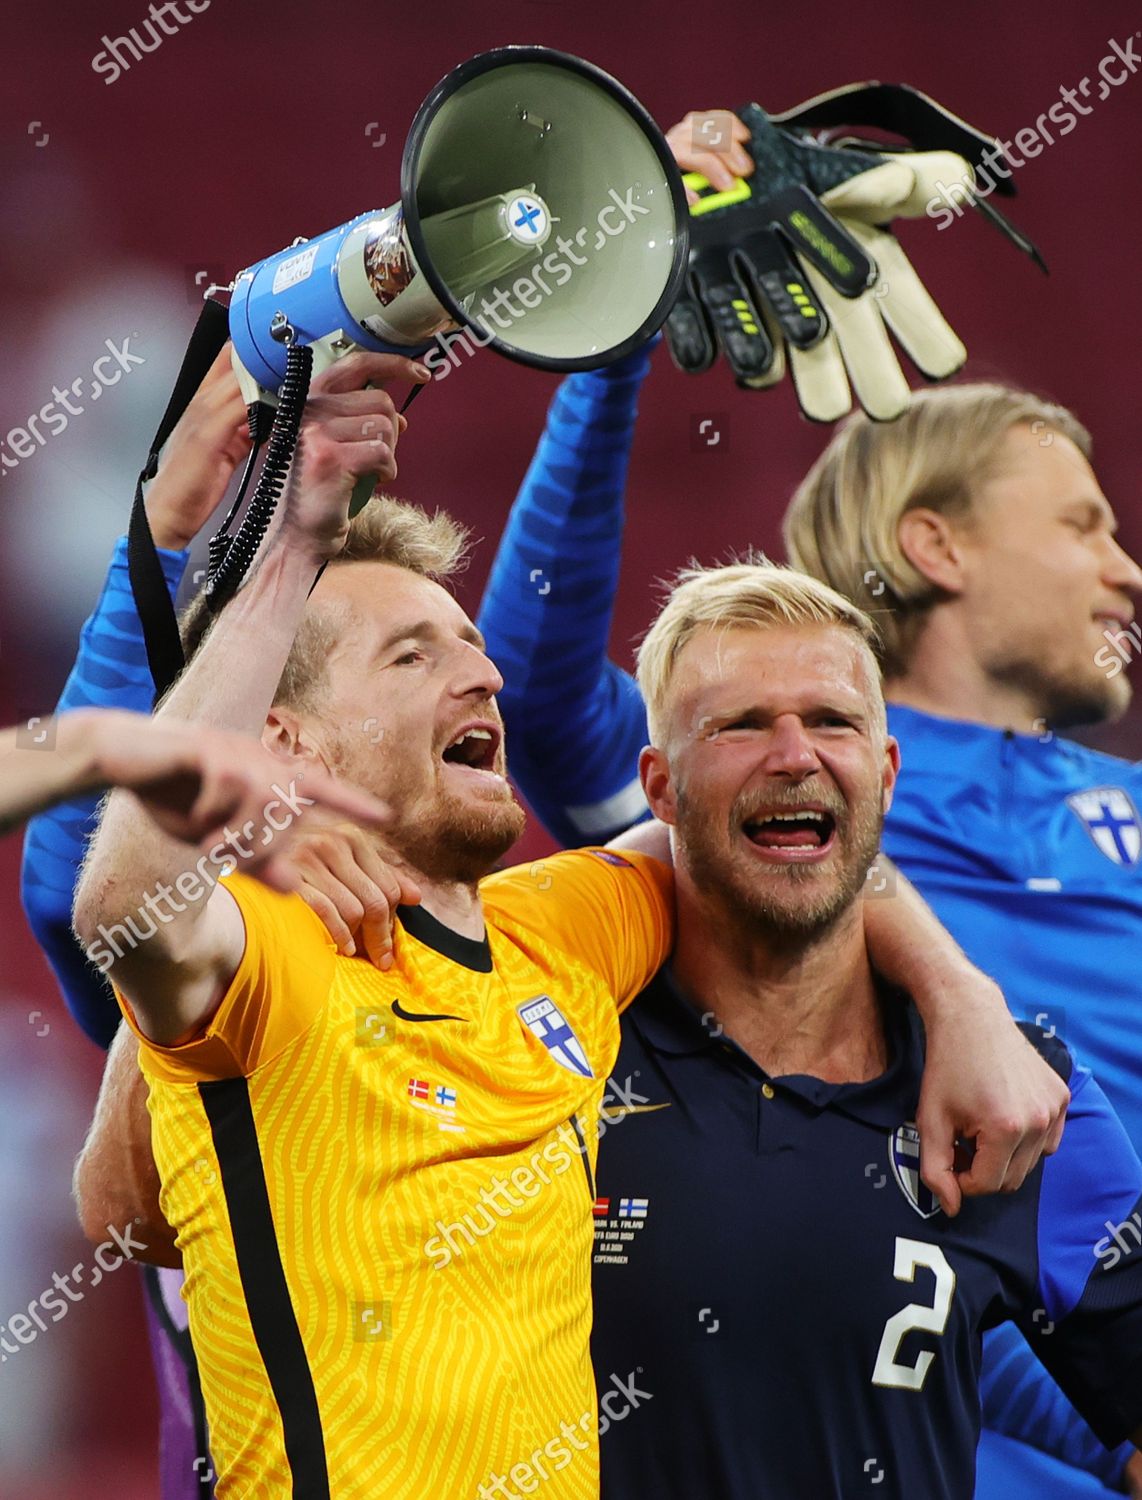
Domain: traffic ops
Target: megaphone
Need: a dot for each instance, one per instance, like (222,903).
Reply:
(541,212)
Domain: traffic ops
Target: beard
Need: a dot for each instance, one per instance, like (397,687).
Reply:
(783,902)
(455,840)
(1068,696)
(441,835)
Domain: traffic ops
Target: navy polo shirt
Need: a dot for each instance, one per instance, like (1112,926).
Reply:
(782,1312)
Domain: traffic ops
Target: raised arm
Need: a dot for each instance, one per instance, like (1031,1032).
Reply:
(111,671)
(176,977)
(575,721)
(171,769)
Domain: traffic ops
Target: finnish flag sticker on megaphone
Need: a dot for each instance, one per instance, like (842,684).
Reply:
(527,219)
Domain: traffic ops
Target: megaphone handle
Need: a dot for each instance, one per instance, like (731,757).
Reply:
(411,397)
(362,493)
(363,489)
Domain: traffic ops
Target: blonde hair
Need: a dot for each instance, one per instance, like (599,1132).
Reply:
(388,531)
(751,592)
(843,521)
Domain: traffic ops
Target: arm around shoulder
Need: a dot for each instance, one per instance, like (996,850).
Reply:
(116,1180)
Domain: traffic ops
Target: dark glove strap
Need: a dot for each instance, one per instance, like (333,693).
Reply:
(900,109)
(925,125)
(152,599)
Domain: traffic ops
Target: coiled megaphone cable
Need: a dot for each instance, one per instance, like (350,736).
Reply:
(231,557)
(259,421)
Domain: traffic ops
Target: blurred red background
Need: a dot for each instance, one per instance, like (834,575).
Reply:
(250,126)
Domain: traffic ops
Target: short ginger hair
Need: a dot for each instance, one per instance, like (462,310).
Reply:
(386,530)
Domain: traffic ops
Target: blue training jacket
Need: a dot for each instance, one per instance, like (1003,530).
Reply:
(110,672)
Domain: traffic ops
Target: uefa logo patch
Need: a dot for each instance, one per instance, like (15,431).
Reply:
(1108,814)
(904,1155)
(545,1021)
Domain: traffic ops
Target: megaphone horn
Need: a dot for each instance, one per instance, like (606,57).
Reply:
(540,207)
(541,210)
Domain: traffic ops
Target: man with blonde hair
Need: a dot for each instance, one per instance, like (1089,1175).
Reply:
(974,530)
(774,1144)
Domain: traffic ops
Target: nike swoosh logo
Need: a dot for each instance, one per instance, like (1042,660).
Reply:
(408,1015)
(633,1109)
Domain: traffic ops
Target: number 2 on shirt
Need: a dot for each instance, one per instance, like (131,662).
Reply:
(917,1315)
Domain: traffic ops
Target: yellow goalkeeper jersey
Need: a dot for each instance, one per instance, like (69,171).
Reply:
(383,1187)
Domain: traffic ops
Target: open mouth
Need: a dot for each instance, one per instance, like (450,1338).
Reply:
(793,833)
(475,748)
(1115,624)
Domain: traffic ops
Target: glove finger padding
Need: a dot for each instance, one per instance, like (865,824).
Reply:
(820,380)
(906,306)
(900,188)
(688,337)
(869,358)
(731,315)
(780,290)
(776,371)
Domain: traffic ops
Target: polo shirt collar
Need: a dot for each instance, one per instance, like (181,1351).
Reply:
(670,1025)
(667,1021)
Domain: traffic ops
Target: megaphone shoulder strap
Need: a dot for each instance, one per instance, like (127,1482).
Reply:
(153,602)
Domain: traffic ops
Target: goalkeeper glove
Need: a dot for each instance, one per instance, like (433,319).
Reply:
(796,267)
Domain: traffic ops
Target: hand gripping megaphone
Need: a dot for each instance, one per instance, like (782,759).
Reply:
(541,214)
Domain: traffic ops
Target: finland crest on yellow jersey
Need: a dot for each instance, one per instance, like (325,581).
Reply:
(545,1021)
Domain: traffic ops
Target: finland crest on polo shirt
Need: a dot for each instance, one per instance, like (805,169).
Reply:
(546,1022)
(904,1154)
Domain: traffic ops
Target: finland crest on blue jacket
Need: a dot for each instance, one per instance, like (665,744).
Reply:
(1108,814)
(544,1020)
(904,1154)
